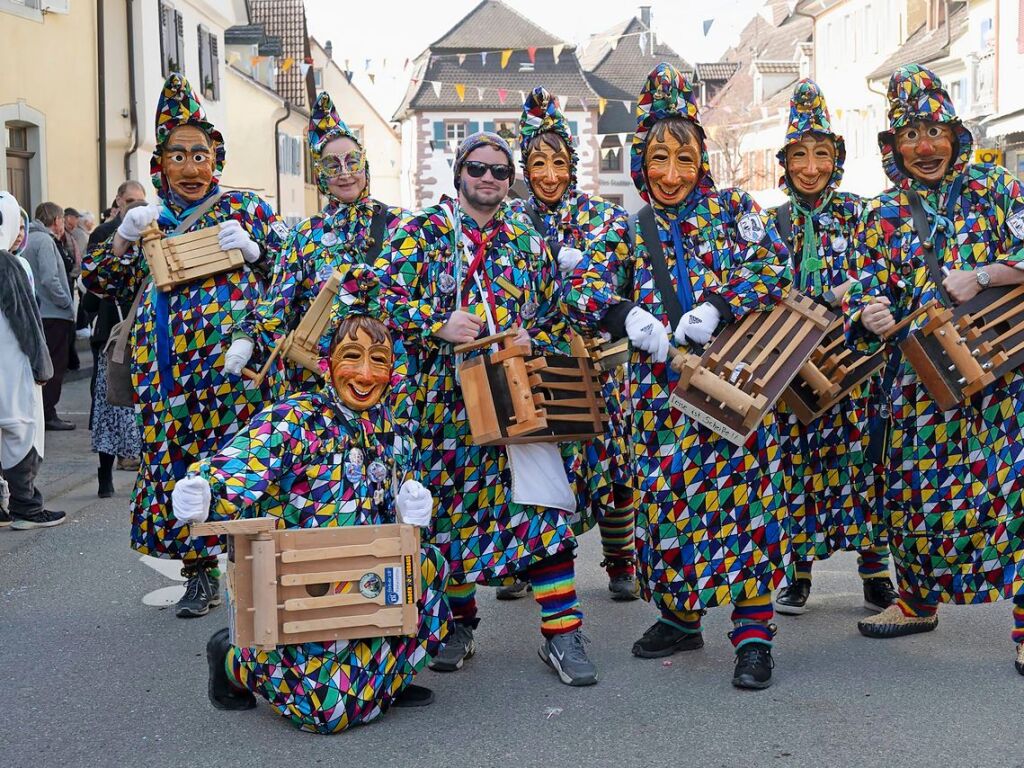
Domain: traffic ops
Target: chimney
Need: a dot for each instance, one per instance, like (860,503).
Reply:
(329,49)
(645,15)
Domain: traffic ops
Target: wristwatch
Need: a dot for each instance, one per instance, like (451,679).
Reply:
(983,278)
(830,298)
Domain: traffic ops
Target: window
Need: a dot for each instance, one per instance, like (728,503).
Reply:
(613,199)
(172,40)
(289,155)
(454,132)
(318,78)
(209,71)
(307,164)
(357,131)
(507,129)
(611,155)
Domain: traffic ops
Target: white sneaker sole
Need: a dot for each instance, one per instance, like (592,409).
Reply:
(790,610)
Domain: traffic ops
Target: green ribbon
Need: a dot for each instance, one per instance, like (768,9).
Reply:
(812,265)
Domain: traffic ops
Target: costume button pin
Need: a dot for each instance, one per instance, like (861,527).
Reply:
(378,471)
(826,220)
(839,244)
(329,239)
(446,283)
(529,310)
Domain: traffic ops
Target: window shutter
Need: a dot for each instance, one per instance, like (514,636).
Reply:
(489,126)
(179,30)
(164,50)
(204,60)
(474,127)
(439,131)
(213,49)
(574,128)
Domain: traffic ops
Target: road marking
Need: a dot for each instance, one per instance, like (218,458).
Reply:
(170,569)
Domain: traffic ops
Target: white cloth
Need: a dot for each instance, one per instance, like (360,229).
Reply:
(538,476)
(136,220)
(190,499)
(237,356)
(647,333)
(233,236)
(698,325)
(569,259)
(414,503)
(21,402)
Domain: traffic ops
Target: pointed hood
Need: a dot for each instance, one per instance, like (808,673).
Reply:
(179,106)
(808,113)
(666,93)
(916,94)
(542,114)
(324,126)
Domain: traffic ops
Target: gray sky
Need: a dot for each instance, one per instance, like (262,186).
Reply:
(390,31)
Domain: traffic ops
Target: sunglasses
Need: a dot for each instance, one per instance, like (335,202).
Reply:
(476,169)
(339,165)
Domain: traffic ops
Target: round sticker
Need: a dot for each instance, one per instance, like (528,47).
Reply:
(446,283)
(329,239)
(378,471)
(826,220)
(353,472)
(370,585)
(839,244)
(529,310)
(355,456)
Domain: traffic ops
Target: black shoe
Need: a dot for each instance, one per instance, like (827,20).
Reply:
(459,647)
(106,481)
(514,591)
(414,696)
(660,639)
(222,692)
(879,593)
(754,664)
(202,592)
(59,425)
(44,518)
(624,587)
(792,600)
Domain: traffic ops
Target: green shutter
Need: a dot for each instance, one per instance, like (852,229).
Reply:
(573,128)
(474,127)
(439,130)
(489,126)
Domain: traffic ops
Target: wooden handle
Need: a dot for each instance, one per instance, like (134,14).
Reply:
(906,321)
(235,527)
(486,341)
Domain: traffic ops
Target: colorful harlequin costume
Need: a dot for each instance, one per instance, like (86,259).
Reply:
(712,523)
(831,482)
(186,406)
(312,462)
(484,535)
(341,233)
(587,222)
(955,478)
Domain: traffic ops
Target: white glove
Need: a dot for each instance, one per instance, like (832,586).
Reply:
(698,325)
(569,259)
(237,356)
(136,220)
(190,499)
(233,236)
(648,333)
(414,503)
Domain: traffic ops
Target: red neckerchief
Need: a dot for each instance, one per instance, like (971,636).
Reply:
(480,243)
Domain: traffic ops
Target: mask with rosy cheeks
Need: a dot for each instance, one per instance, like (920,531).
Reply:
(548,172)
(672,168)
(809,164)
(926,150)
(189,162)
(361,370)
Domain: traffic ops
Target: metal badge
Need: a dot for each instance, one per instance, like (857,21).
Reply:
(355,456)
(751,228)
(826,220)
(329,239)
(353,472)
(378,471)
(446,283)
(839,244)
(529,310)
(370,585)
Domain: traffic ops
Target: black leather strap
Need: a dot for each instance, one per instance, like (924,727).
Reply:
(377,224)
(784,221)
(919,218)
(659,267)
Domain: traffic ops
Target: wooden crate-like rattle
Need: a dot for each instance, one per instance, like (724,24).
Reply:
(187,258)
(830,375)
(748,366)
(605,356)
(960,351)
(319,585)
(514,398)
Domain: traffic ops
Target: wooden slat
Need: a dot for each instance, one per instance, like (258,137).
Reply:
(330,577)
(385,617)
(384,548)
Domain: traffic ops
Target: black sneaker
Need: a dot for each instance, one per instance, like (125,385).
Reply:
(202,592)
(879,593)
(57,424)
(754,664)
(660,639)
(792,600)
(514,591)
(44,518)
(223,693)
(414,696)
(623,587)
(460,646)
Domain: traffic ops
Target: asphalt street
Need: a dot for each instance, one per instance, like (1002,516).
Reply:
(95,677)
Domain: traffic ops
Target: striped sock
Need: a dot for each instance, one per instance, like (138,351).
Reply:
(1018,619)
(233,666)
(803,569)
(617,529)
(873,563)
(751,621)
(914,607)
(554,589)
(462,599)
(684,621)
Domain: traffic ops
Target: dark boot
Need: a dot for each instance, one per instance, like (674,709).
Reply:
(202,590)
(754,665)
(414,696)
(223,693)
(106,481)
(792,600)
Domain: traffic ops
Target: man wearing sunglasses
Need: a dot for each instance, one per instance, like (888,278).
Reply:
(461,269)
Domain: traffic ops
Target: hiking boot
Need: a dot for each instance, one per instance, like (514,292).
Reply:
(892,623)
(1019,663)
(567,655)
(106,483)
(223,693)
(414,696)
(879,593)
(662,639)
(202,592)
(792,600)
(44,518)
(514,591)
(754,665)
(460,646)
(624,587)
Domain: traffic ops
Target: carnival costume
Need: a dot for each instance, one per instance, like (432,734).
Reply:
(955,478)
(831,481)
(185,405)
(712,523)
(584,222)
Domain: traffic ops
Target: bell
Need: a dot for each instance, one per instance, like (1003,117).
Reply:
(928,245)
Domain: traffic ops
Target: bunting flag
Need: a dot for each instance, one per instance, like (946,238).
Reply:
(255,60)
(367,66)
(563,101)
(522,95)
(505,56)
(627,104)
(623,138)
(483,58)
(601,104)
(348,75)
(502,95)
(532,53)
(480,93)
(707,25)
(304,68)
(437,87)
(460,90)
(287,64)
(613,42)
(556,51)
(371,76)
(462,59)
(234,56)
(642,40)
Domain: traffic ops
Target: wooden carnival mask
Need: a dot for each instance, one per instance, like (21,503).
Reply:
(549,169)
(926,150)
(189,162)
(810,163)
(672,164)
(362,358)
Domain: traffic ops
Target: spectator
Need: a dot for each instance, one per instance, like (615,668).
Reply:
(114,431)
(87,224)
(26,365)
(55,303)
(72,252)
